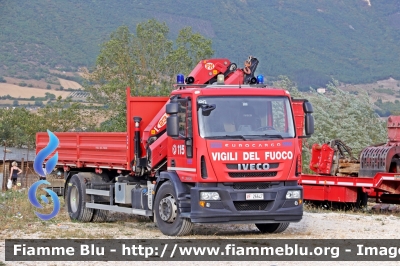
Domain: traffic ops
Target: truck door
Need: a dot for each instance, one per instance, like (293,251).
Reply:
(181,155)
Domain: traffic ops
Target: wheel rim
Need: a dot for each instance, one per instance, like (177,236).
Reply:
(167,209)
(74,198)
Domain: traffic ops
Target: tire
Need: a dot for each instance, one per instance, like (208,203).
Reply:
(76,199)
(362,199)
(272,228)
(100,216)
(167,214)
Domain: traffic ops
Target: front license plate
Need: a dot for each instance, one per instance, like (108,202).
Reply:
(254,196)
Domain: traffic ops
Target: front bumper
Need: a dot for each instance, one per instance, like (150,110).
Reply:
(234,208)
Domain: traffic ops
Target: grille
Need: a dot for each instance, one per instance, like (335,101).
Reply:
(234,166)
(240,186)
(250,205)
(252,174)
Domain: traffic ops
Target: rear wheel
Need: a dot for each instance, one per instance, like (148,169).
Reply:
(272,228)
(76,199)
(167,214)
(100,216)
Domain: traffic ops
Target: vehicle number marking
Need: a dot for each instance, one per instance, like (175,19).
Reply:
(181,149)
(254,196)
(209,66)
(178,149)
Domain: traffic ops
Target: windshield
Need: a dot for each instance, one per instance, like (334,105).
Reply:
(234,117)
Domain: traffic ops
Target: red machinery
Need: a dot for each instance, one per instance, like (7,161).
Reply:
(223,148)
(343,178)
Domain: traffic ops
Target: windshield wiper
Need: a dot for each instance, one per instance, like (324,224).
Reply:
(267,136)
(274,136)
(227,136)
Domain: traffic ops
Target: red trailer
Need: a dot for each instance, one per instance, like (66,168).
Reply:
(342,178)
(223,148)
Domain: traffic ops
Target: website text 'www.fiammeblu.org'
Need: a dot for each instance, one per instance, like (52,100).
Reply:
(201,250)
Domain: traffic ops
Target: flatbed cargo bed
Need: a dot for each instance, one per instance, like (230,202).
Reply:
(107,150)
(345,189)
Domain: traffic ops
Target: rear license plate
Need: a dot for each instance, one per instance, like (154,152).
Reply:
(254,196)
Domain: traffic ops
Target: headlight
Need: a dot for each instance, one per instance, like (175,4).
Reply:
(293,194)
(209,196)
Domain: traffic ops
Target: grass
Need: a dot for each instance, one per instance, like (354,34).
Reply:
(320,207)
(325,207)
(18,216)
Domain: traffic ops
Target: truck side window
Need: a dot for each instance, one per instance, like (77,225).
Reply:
(189,120)
(182,119)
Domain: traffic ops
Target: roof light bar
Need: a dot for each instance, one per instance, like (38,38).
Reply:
(180,79)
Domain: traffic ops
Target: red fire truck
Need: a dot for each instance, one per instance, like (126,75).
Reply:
(223,148)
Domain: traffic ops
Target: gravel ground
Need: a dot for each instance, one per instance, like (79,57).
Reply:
(330,225)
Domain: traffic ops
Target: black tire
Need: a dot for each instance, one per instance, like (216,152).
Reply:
(167,214)
(362,199)
(272,228)
(76,198)
(100,216)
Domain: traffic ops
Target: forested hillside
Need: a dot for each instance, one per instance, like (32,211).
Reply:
(311,41)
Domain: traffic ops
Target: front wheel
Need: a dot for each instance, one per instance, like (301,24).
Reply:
(166,212)
(272,228)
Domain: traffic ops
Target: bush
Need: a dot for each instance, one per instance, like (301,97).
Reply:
(38,103)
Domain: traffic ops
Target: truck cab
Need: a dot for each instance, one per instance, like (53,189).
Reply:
(235,149)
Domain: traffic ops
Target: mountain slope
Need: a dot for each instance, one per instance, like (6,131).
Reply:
(308,40)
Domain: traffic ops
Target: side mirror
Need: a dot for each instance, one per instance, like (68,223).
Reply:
(307,107)
(172,108)
(309,124)
(173,126)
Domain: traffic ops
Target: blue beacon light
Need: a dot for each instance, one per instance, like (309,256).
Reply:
(260,79)
(180,79)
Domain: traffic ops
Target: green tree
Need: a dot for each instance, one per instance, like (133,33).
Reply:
(38,103)
(191,48)
(341,115)
(286,83)
(65,115)
(50,96)
(15,124)
(348,117)
(18,126)
(146,62)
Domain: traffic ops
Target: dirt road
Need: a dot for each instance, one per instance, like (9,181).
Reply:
(313,226)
